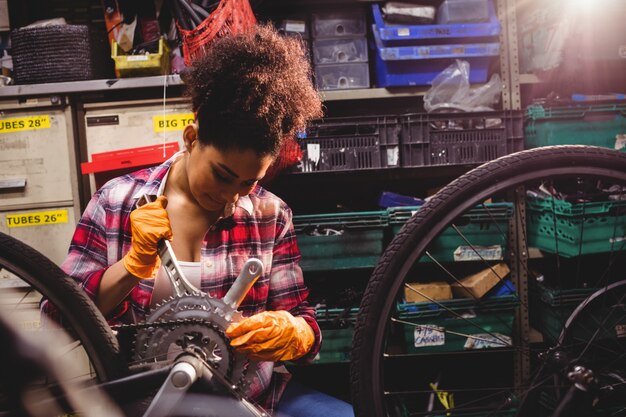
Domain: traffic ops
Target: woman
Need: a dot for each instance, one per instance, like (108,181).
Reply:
(249,93)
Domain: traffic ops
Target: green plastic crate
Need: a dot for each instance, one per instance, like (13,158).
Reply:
(549,321)
(581,229)
(484,227)
(336,346)
(340,241)
(337,327)
(486,324)
(561,297)
(600,321)
(597,125)
(551,307)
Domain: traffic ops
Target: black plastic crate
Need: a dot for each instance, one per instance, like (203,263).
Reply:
(460,138)
(351,143)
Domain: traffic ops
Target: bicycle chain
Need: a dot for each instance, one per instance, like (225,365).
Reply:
(172,324)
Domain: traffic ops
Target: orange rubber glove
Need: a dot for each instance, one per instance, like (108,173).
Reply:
(148,224)
(272,336)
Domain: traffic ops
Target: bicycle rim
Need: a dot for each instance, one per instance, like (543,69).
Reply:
(465,357)
(25,277)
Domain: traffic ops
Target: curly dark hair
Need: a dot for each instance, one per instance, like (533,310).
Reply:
(252,90)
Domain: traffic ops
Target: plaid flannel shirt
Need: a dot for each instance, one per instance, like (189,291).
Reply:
(261,227)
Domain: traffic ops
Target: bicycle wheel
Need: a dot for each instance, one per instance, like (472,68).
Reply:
(25,277)
(507,352)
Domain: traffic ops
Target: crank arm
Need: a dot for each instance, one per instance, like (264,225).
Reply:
(251,271)
(182,376)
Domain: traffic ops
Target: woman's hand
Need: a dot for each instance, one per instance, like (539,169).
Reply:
(272,336)
(148,224)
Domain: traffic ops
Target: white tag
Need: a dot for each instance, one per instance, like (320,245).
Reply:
(487,340)
(429,335)
(620,330)
(404,32)
(620,141)
(313,152)
(295,26)
(617,239)
(393,156)
(477,253)
(134,58)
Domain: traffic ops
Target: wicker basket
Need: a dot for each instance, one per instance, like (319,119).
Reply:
(53,54)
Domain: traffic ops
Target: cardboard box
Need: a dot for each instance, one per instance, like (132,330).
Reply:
(477,285)
(438,290)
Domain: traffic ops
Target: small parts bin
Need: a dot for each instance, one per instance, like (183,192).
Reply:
(460,138)
(485,227)
(351,143)
(581,229)
(340,241)
(143,65)
(408,55)
(340,55)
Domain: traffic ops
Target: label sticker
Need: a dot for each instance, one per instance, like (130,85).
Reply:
(487,340)
(136,58)
(39,218)
(18,124)
(620,142)
(393,156)
(313,152)
(172,122)
(620,330)
(403,32)
(477,253)
(298,26)
(458,50)
(429,335)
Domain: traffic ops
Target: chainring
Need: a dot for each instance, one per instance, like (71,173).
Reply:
(194,322)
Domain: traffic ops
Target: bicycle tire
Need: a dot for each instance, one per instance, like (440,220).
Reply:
(410,243)
(80,315)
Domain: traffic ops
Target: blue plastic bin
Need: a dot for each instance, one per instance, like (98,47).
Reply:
(398,34)
(419,65)
(390,199)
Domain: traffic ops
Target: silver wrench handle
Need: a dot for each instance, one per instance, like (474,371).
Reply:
(251,271)
(180,284)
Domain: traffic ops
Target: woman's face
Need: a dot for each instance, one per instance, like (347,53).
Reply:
(217,178)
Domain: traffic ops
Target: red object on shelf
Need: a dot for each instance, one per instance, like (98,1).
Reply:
(129,158)
(229,17)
